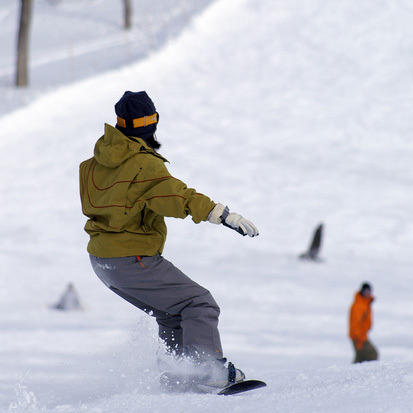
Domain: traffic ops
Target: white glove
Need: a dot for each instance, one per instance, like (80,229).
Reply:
(221,214)
(215,215)
(240,224)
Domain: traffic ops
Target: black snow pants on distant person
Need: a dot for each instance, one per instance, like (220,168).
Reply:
(186,312)
(367,353)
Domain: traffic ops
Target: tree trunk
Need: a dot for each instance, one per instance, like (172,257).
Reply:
(22,78)
(127,13)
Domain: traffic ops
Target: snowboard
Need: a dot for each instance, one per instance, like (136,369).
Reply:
(233,388)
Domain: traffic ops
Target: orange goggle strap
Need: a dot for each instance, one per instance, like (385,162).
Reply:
(139,122)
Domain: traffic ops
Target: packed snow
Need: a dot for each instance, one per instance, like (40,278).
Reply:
(290,112)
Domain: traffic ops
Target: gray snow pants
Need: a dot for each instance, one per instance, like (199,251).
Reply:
(186,313)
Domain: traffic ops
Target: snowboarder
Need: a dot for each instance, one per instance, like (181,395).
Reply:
(360,323)
(126,191)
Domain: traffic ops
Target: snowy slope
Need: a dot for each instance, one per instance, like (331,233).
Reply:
(292,113)
(74,39)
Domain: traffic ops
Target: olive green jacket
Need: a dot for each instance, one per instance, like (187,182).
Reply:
(126,191)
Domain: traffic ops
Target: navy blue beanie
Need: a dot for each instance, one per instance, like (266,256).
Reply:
(365,287)
(136,115)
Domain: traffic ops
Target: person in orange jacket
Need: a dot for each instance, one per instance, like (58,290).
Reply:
(360,324)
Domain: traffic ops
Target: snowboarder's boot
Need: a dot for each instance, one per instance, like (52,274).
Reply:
(222,376)
(214,375)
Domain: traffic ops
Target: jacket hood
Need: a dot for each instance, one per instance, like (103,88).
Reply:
(360,298)
(114,148)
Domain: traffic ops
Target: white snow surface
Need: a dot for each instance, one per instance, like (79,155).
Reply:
(292,112)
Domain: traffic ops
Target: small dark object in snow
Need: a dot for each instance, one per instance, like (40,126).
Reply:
(69,300)
(314,249)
